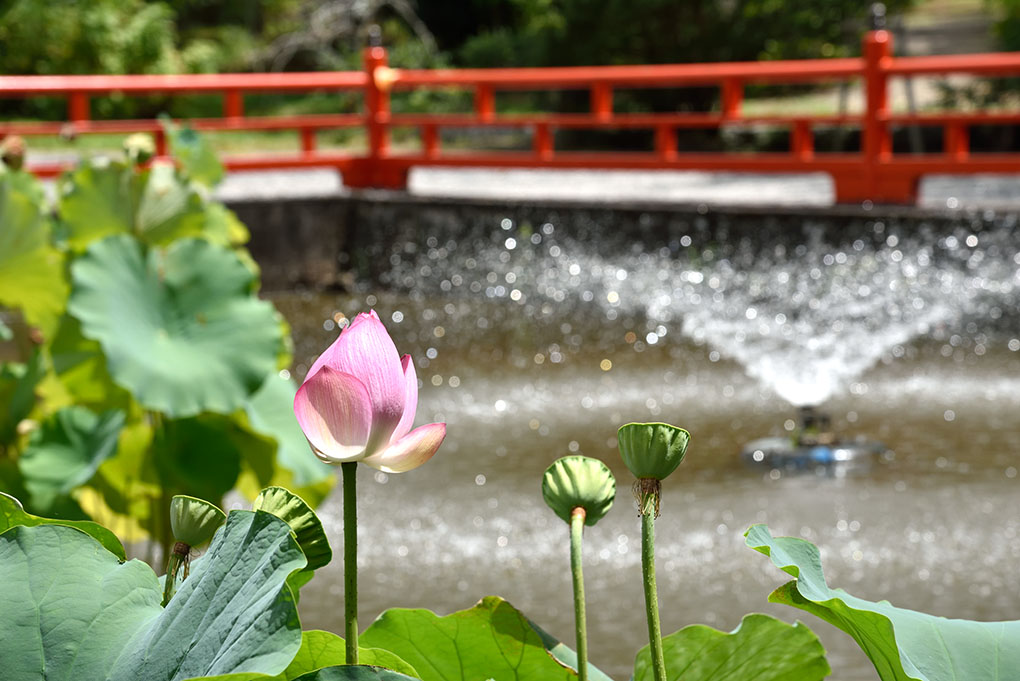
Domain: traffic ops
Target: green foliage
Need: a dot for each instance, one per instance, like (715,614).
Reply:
(775,650)
(17,394)
(13,515)
(196,156)
(491,640)
(64,453)
(31,269)
(904,645)
(180,326)
(86,615)
(354,673)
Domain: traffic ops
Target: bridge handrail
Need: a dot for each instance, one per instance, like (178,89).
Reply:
(874,173)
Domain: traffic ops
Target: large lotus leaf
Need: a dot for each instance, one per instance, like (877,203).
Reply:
(202,455)
(761,648)
(31,269)
(354,673)
(12,514)
(902,644)
(271,412)
(17,393)
(321,649)
(179,326)
(101,198)
(491,640)
(73,611)
(64,453)
(197,157)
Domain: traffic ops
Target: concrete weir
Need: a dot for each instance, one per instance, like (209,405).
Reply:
(325,242)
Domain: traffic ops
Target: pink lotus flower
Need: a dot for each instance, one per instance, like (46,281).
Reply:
(358,402)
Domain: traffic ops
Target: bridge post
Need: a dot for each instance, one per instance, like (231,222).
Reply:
(373,170)
(879,181)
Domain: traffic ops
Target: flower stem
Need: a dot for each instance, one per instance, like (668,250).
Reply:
(580,622)
(349,472)
(648,508)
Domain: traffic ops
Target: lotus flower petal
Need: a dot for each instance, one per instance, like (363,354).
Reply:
(364,349)
(410,451)
(411,401)
(334,411)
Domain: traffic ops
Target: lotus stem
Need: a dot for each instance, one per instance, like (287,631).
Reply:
(649,509)
(580,622)
(349,472)
(178,557)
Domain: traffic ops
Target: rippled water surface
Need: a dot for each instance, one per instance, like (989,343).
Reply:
(531,345)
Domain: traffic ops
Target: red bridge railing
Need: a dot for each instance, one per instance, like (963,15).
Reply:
(875,173)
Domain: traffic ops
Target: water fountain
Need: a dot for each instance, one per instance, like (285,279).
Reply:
(539,331)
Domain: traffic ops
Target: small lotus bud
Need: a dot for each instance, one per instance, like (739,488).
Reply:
(194,521)
(12,152)
(579,482)
(652,450)
(140,148)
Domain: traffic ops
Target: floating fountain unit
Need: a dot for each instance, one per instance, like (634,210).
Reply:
(815,446)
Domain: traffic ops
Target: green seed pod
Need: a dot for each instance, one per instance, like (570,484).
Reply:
(140,148)
(579,481)
(194,521)
(652,450)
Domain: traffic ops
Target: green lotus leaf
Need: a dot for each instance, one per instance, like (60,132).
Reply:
(64,453)
(319,650)
(197,157)
(12,515)
(222,226)
(102,198)
(271,412)
(18,384)
(904,645)
(579,482)
(307,527)
(491,640)
(194,521)
(565,654)
(74,611)
(179,326)
(761,648)
(31,270)
(354,673)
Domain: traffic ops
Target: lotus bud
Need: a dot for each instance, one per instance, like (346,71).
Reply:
(579,482)
(194,521)
(12,152)
(140,148)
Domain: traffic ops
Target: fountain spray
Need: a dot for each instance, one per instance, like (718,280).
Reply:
(651,452)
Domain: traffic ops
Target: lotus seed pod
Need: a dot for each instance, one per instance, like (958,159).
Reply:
(652,450)
(139,148)
(579,481)
(194,521)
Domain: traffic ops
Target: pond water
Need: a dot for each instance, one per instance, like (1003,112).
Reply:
(534,340)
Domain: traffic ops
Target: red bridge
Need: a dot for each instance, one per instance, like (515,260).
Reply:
(874,173)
